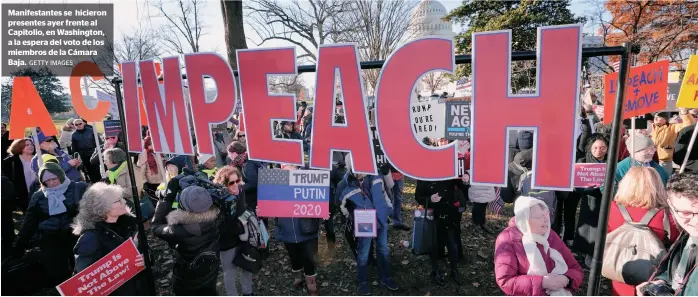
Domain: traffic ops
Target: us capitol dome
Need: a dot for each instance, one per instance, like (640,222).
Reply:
(427,20)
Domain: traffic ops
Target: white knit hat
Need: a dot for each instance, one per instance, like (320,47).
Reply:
(205,157)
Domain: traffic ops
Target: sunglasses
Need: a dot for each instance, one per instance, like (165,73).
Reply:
(233,182)
(242,135)
(80,124)
(48,140)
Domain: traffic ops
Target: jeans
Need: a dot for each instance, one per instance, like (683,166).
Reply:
(229,274)
(302,256)
(382,251)
(397,201)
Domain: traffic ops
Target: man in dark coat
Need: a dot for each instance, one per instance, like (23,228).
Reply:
(83,141)
(681,149)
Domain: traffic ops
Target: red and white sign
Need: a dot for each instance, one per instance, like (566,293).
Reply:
(589,174)
(598,110)
(105,275)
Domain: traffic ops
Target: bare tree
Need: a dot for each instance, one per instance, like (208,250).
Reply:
(378,26)
(434,81)
(306,27)
(184,24)
(234,30)
(286,84)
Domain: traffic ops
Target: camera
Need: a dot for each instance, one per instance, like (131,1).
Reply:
(657,290)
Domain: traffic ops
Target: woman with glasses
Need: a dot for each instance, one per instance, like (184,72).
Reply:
(51,211)
(103,224)
(49,146)
(530,260)
(641,195)
(231,229)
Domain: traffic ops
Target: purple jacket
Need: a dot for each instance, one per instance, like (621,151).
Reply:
(511,264)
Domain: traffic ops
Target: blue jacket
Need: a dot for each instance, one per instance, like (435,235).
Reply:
(37,216)
(353,197)
(250,175)
(624,166)
(71,172)
(83,141)
(289,230)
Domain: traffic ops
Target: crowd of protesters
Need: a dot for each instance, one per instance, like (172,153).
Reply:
(206,210)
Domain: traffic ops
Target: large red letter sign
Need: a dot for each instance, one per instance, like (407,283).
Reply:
(328,136)
(206,113)
(168,118)
(27,109)
(132,106)
(401,72)
(261,108)
(550,112)
(91,69)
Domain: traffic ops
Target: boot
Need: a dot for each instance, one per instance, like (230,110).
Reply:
(456,277)
(311,284)
(437,278)
(298,279)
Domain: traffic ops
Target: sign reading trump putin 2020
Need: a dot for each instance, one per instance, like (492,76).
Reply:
(551,110)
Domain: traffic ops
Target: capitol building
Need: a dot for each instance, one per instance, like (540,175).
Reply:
(427,20)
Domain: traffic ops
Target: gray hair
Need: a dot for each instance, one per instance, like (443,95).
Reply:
(115,155)
(94,205)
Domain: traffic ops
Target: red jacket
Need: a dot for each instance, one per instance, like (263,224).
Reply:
(615,220)
(511,264)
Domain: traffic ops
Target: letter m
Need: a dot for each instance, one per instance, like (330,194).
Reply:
(168,119)
(550,112)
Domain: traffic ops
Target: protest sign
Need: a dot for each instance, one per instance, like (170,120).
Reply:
(365,223)
(293,193)
(645,91)
(112,128)
(671,97)
(457,123)
(427,119)
(688,97)
(105,275)
(589,174)
(377,151)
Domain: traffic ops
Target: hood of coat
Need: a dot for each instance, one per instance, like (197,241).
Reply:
(183,217)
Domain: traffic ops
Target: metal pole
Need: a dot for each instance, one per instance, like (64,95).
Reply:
(142,238)
(99,149)
(611,164)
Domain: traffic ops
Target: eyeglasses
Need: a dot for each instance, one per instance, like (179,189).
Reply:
(242,135)
(121,201)
(113,137)
(686,215)
(233,182)
(80,124)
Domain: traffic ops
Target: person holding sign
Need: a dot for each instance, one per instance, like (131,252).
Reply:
(596,153)
(362,195)
(664,135)
(193,230)
(51,211)
(83,141)
(48,145)
(440,196)
(681,148)
(300,238)
(103,224)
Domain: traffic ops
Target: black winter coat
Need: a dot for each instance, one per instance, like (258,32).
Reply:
(195,238)
(13,168)
(96,243)
(83,141)
(231,227)
(681,147)
(445,211)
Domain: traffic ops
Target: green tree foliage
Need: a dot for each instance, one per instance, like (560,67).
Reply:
(47,85)
(523,17)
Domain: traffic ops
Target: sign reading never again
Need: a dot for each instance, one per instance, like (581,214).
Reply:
(492,108)
(457,120)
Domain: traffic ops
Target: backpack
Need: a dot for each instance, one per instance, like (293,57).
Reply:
(633,251)
(249,253)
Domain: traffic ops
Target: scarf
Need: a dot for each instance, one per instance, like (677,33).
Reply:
(55,197)
(240,160)
(152,165)
(522,211)
(113,174)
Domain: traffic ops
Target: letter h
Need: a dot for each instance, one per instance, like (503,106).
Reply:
(550,112)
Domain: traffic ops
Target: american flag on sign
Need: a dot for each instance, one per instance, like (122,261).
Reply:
(463,84)
(496,205)
(616,66)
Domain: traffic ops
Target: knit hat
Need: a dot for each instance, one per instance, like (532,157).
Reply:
(195,199)
(205,157)
(117,155)
(641,142)
(51,170)
(48,158)
(237,147)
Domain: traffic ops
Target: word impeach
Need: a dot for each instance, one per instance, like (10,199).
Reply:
(105,275)
(427,118)
(293,193)
(589,174)
(645,91)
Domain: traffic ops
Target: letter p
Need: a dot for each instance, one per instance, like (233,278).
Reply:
(550,112)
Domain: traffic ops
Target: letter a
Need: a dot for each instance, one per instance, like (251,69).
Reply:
(550,112)
(27,109)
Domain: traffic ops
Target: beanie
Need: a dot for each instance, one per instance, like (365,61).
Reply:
(48,158)
(51,170)
(195,199)
(205,157)
(640,141)
(116,155)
